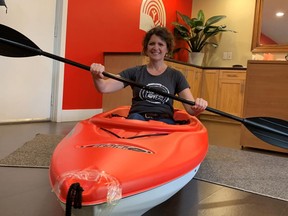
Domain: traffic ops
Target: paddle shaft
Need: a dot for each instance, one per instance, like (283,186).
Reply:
(38,51)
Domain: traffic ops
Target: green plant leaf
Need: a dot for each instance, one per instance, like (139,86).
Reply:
(201,16)
(196,32)
(181,31)
(184,18)
(214,19)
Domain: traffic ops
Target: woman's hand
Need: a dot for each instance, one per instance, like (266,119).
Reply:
(97,70)
(104,85)
(199,107)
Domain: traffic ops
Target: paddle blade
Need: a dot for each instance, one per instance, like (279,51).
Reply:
(10,40)
(271,130)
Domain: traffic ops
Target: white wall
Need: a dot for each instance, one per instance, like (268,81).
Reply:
(25,83)
(31,89)
(240,17)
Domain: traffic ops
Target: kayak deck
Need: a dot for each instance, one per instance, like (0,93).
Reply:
(129,156)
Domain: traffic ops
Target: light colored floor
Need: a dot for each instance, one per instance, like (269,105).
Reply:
(27,192)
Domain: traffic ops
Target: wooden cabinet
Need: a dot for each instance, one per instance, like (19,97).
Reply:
(266,95)
(115,63)
(193,76)
(224,90)
(195,79)
(230,97)
(210,82)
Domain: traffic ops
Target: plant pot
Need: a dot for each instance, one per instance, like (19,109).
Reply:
(196,58)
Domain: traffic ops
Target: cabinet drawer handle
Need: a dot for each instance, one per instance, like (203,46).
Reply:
(232,75)
(242,88)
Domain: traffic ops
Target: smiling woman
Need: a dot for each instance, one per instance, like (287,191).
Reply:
(157,43)
(269,34)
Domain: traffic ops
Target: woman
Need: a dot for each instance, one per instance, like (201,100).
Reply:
(147,105)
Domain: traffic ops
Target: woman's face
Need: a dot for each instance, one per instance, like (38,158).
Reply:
(157,48)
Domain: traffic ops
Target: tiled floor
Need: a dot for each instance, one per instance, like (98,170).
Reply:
(26,191)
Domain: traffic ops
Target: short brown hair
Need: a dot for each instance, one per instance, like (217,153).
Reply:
(161,32)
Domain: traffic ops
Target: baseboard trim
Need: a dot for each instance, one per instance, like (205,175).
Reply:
(218,118)
(78,115)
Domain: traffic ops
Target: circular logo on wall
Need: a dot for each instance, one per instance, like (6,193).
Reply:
(152,14)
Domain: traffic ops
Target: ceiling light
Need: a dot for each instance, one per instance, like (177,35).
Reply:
(279,14)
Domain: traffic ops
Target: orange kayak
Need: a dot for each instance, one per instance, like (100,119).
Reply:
(114,158)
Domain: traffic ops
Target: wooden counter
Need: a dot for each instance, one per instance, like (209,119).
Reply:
(266,94)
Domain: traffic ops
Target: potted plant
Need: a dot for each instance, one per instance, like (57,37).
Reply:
(197,32)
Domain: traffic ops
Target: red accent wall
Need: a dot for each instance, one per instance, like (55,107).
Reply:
(264,39)
(94,27)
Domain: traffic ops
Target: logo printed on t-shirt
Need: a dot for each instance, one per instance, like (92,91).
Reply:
(153,97)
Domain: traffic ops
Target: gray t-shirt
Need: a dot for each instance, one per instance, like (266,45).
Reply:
(170,81)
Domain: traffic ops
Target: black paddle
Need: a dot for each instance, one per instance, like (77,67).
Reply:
(271,130)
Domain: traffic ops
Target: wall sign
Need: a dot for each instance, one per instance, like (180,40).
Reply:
(152,14)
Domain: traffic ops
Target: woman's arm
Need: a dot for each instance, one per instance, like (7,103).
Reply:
(101,84)
(200,104)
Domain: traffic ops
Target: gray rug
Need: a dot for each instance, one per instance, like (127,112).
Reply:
(35,153)
(248,171)
(245,170)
